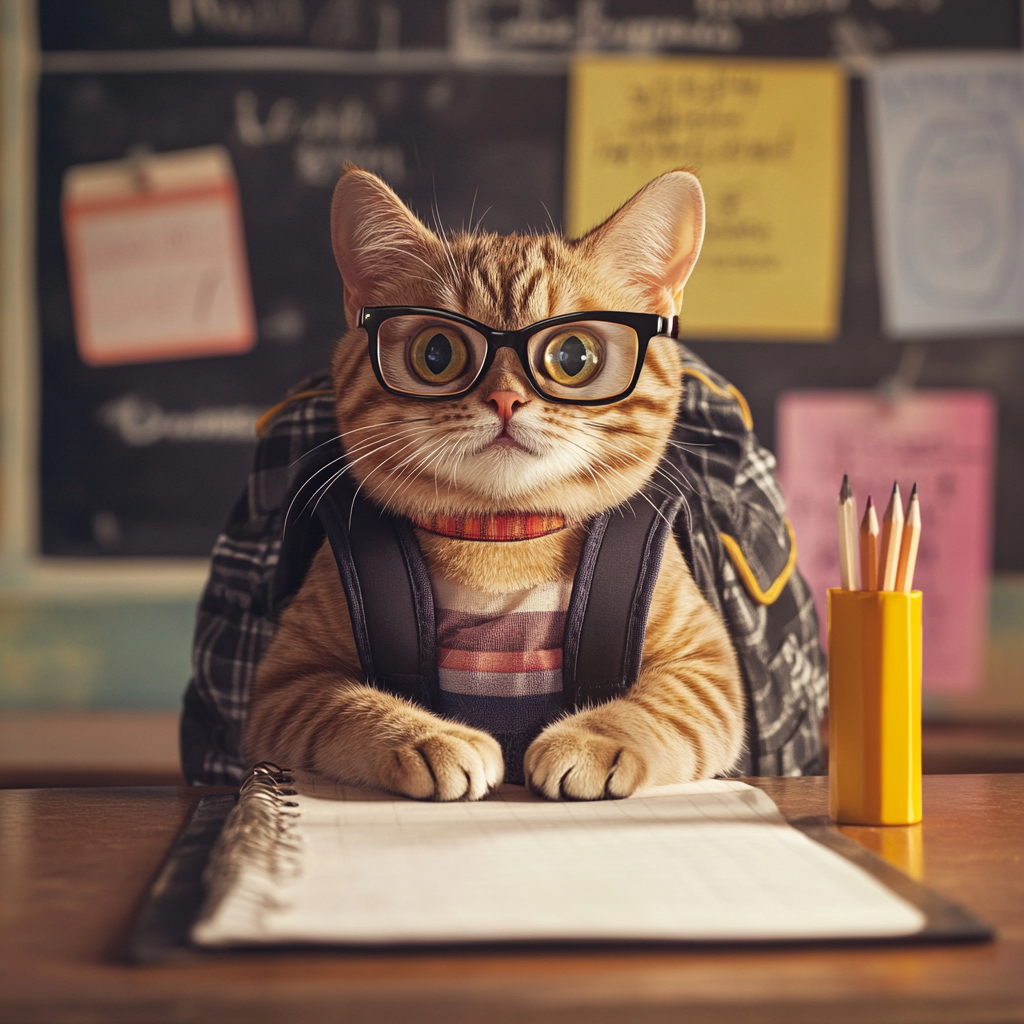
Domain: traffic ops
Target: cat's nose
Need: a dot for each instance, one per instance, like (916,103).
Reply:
(505,402)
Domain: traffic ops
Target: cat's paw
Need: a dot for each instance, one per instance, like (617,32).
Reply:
(567,761)
(446,762)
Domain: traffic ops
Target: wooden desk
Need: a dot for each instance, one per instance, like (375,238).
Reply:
(74,865)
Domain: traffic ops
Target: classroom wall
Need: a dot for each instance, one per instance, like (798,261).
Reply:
(118,654)
(74,636)
(89,653)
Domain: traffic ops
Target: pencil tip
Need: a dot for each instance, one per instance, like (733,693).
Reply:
(870,504)
(913,493)
(895,488)
(845,491)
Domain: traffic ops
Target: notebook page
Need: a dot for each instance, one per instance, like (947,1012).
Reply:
(711,860)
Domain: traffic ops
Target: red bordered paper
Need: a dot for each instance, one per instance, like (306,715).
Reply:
(156,258)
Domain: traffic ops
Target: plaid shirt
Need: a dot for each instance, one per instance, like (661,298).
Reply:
(733,533)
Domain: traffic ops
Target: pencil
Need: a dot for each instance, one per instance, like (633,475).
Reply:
(849,570)
(869,548)
(892,528)
(909,544)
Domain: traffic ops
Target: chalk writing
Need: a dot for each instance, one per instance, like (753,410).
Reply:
(479,27)
(140,422)
(327,138)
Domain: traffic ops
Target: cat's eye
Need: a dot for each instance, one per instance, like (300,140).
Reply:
(438,354)
(572,357)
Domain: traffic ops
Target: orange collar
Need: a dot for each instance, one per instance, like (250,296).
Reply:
(501,526)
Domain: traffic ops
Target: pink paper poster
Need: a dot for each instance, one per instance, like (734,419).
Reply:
(943,440)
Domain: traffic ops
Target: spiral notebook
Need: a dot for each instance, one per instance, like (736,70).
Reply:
(302,861)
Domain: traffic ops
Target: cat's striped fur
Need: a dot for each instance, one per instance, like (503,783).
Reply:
(684,717)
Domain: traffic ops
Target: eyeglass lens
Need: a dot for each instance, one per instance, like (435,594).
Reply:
(585,360)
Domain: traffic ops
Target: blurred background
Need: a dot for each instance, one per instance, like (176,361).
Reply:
(167,169)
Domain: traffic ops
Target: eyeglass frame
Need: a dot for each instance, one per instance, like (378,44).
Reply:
(645,325)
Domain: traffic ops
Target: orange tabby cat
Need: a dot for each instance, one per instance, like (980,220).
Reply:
(502,447)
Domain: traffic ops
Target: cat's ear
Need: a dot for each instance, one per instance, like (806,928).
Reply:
(651,243)
(377,240)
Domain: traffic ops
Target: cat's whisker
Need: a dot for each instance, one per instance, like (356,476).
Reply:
(445,246)
(551,220)
(661,468)
(413,468)
(398,477)
(674,490)
(337,476)
(594,477)
(680,479)
(330,440)
(460,456)
(405,253)
(661,515)
(439,459)
(612,428)
(379,446)
(607,467)
(450,257)
(352,506)
(687,446)
(305,483)
(421,431)
(385,423)
(323,488)
(392,440)
(437,455)
(440,462)
(480,220)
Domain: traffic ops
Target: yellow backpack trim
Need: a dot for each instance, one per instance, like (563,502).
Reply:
(770,595)
(275,410)
(729,391)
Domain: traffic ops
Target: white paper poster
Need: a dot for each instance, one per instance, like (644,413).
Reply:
(943,440)
(156,258)
(947,148)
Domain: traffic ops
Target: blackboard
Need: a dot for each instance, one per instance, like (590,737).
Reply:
(461,105)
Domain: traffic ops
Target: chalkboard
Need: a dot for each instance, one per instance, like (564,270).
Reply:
(461,106)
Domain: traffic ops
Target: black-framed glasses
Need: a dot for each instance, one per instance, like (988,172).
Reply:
(590,358)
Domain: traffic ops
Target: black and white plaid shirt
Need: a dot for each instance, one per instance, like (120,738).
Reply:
(737,544)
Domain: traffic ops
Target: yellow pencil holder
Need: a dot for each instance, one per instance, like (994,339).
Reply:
(874,699)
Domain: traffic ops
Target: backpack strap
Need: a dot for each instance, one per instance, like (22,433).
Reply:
(390,600)
(611,597)
(388,589)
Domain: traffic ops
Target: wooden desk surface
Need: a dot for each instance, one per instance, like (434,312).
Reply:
(75,864)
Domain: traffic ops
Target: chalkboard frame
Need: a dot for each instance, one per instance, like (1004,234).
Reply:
(21,565)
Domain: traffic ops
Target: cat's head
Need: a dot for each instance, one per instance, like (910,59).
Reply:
(501,446)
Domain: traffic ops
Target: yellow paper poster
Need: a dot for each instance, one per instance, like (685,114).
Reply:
(767,140)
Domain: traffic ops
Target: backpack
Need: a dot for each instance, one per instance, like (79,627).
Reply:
(715,493)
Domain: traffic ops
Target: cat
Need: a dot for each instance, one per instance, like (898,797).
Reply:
(502,448)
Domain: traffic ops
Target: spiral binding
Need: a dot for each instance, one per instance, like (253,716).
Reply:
(260,837)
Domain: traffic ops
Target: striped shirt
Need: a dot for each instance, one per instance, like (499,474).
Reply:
(499,659)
